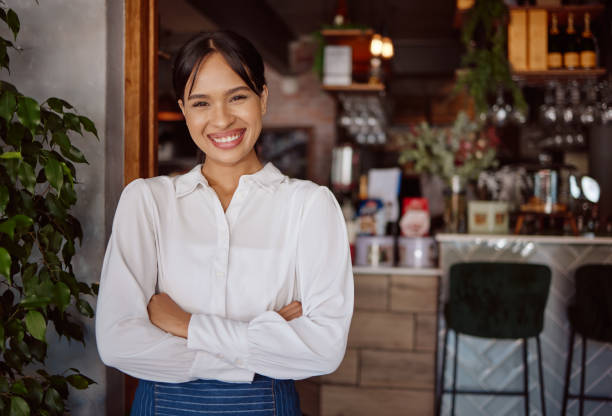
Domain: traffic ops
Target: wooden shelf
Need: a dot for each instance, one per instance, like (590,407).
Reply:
(346,32)
(540,77)
(169,116)
(355,87)
(594,9)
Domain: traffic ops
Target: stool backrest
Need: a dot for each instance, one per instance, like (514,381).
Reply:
(497,300)
(592,311)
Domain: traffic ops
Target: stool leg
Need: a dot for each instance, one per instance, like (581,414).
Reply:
(441,388)
(526,376)
(454,391)
(542,396)
(582,374)
(568,369)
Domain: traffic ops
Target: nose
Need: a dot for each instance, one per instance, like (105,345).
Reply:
(221,116)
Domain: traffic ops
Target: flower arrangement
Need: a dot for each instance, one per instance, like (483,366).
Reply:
(464,149)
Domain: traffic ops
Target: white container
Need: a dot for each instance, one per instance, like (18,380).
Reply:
(374,251)
(418,252)
(487,217)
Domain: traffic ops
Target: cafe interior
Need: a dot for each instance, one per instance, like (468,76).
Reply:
(468,144)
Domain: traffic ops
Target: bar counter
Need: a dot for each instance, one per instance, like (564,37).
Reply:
(389,366)
(495,364)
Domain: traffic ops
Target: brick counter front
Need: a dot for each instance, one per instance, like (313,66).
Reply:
(389,366)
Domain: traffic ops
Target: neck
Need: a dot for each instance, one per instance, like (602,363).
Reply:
(226,177)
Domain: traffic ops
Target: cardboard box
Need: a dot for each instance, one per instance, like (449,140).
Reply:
(537,21)
(517,40)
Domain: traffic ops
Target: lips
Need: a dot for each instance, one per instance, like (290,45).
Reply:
(227,139)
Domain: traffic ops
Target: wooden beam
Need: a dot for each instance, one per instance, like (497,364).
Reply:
(256,21)
(141,24)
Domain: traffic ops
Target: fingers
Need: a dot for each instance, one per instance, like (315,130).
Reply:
(291,311)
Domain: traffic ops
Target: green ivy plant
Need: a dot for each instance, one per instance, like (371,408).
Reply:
(38,235)
(485,65)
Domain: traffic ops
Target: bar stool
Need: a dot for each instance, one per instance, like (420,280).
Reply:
(591,317)
(496,300)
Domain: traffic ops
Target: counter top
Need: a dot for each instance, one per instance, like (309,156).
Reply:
(406,271)
(510,238)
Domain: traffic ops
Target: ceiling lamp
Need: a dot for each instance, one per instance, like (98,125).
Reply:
(387,48)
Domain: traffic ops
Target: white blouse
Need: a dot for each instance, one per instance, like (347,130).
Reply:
(279,240)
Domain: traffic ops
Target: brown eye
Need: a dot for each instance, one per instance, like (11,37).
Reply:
(238,97)
(200,104)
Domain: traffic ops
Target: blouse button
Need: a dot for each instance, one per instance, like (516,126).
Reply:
(220,274)
(239,362)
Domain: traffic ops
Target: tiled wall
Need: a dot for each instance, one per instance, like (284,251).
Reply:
(389,365)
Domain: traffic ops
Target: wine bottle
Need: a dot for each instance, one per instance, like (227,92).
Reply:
(555,47)
(588,57)
(571,52)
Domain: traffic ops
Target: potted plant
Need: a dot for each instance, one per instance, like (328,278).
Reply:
(457,154)
(38,236)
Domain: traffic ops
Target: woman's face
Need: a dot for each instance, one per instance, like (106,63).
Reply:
(222,113)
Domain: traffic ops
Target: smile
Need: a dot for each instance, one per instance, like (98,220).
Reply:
(227,139)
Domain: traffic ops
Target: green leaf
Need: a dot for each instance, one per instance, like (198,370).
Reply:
(85,308)
(5,263)
(28,112)
(54,173)
(26,176)
(8,227)
(19,388)
(19,407)
(10,155)
(61,295)
(4,198)
(61,139)
(58,105)
(35,391)
(36,324)
(72,122)
(78,381)
(8,103)
(2,338)
(74,154)
(13,22)
(35,301)
(4,386)
(89,126)
(15,134)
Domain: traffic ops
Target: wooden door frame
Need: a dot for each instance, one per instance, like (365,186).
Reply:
(140,100)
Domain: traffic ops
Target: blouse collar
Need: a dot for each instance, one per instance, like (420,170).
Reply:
(268,178)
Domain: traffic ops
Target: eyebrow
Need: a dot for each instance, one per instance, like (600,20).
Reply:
(228,92)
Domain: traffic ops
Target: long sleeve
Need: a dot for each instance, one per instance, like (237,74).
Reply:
(125,336)
(313,344)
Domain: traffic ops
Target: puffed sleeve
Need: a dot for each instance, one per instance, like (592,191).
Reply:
(315,343)
(125,336)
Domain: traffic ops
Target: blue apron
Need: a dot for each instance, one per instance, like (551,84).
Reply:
(263,397)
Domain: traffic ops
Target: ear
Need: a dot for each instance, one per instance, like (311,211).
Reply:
(182,107)
(263,99)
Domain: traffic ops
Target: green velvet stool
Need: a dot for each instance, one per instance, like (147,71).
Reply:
(496,300)
(591,317)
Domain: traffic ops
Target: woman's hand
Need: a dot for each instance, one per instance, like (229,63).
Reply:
(291,311)
(167,315)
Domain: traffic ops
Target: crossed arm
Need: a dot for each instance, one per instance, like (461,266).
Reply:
(165,314)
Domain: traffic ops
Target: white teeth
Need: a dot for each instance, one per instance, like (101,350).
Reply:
(227,139)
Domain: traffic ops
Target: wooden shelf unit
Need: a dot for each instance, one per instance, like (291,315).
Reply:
(355,87)
(540,77)
(561,11)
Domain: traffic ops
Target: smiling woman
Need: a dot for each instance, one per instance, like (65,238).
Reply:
(222,285)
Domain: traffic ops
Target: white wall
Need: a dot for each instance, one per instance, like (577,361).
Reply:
(73,49)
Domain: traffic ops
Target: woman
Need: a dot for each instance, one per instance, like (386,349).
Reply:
(221,286)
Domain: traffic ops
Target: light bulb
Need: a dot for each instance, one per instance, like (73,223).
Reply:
(387,48)
(376,45)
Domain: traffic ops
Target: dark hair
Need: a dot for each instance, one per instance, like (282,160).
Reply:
(239,53)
